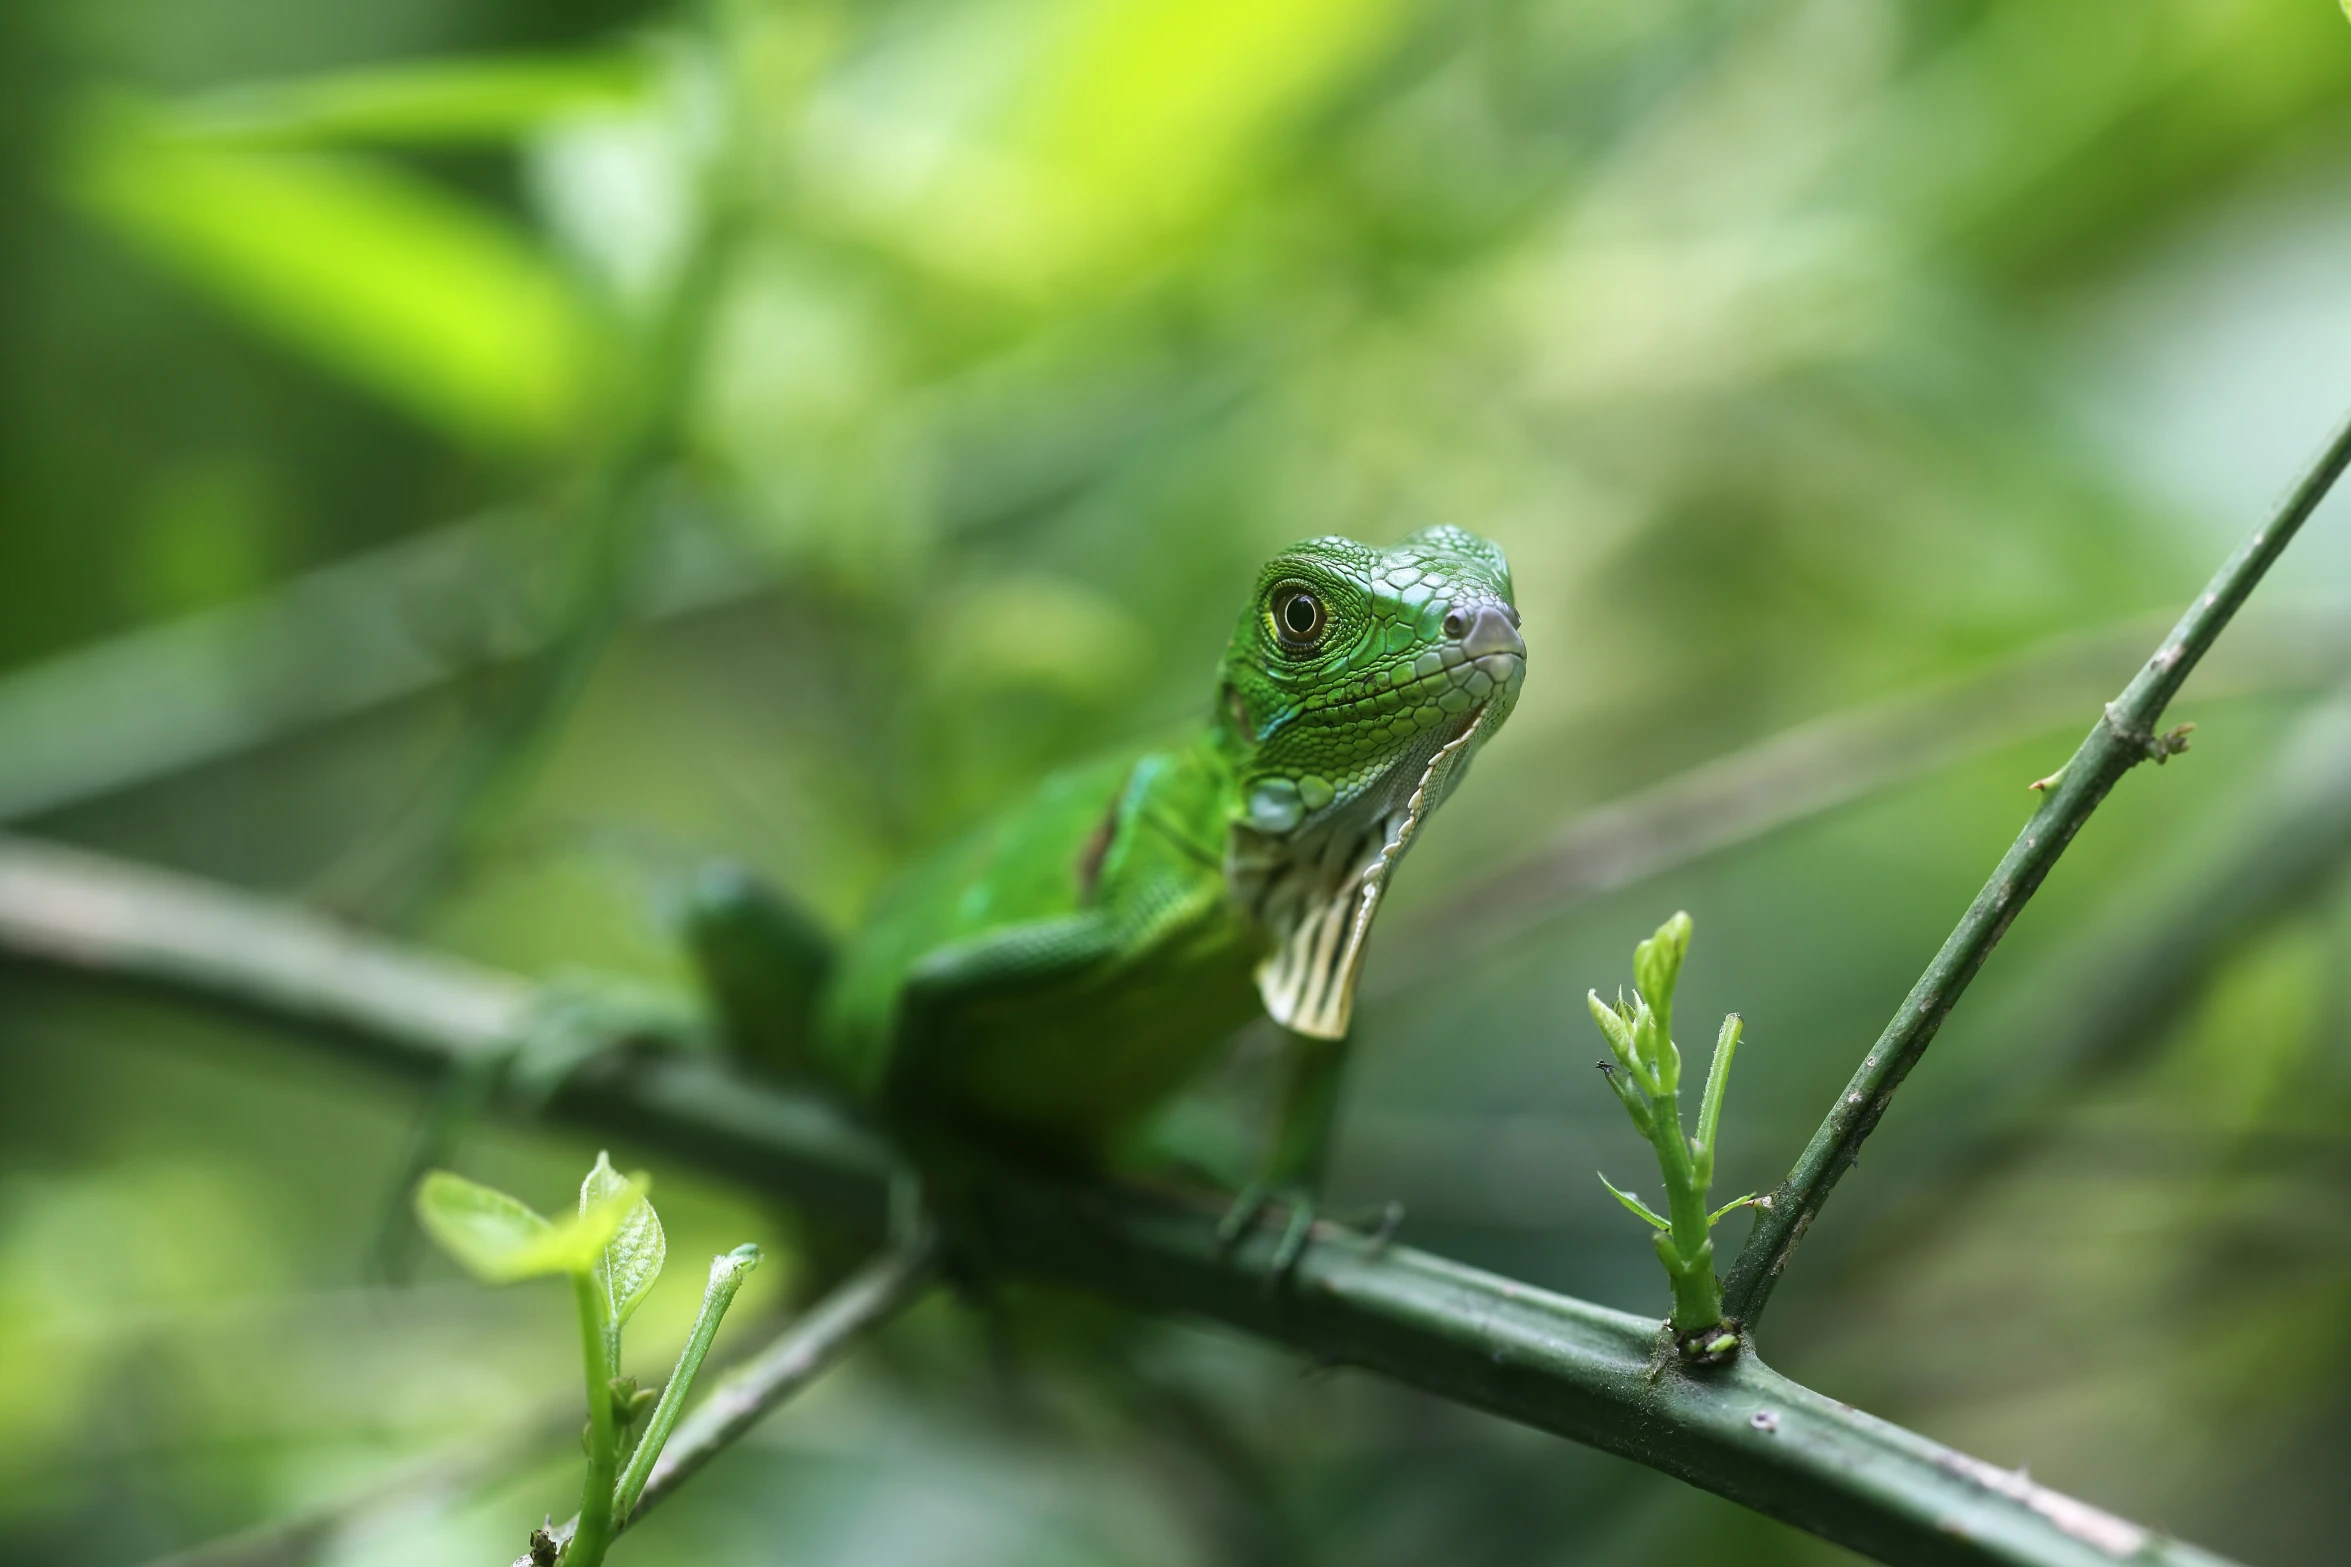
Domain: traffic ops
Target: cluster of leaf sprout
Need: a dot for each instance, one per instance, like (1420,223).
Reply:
(1646,1074)
(612,1250)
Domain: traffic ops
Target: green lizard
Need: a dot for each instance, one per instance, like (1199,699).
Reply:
(1051,980)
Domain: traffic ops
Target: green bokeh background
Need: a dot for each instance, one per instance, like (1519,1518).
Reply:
(1807,357)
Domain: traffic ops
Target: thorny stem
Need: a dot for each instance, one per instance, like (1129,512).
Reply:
(2123,736)
(1686,1249)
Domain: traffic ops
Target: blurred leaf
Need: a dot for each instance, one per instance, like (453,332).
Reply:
(1154,103)
(633,1258)
(430,302)
(426,103)
(1657,962)
(1038,630)
(1124,125)
(499,1240)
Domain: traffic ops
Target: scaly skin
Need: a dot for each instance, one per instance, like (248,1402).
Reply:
(1052,979)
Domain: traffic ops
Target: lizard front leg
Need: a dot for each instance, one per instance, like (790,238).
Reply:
(1296,1158)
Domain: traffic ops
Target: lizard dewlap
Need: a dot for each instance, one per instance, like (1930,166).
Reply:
(1054,977)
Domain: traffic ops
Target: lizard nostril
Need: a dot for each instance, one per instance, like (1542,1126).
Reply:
(1457,622)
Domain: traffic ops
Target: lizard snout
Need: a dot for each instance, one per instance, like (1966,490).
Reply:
(1491,629)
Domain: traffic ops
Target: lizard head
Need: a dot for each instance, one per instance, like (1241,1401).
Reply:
(1357,687)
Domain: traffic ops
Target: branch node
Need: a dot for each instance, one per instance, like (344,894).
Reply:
(2156,748)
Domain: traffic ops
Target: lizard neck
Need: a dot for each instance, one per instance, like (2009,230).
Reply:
(1314,887)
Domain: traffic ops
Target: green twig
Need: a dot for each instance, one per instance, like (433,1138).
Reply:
(610,519)
(2124,736)
(866,1299)
(727,1274)
(596,1329)
(1818,766)
(862,1302)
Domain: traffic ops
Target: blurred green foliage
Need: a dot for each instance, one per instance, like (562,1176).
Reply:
(1801,354)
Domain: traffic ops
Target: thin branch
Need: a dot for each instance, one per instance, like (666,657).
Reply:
(1562,1365)
(2124,736)
(418,1015)
(345,639)
(865,1300)
(394,871)
(2109,1000)
(803,1351)
(437,1479)
(1813,767)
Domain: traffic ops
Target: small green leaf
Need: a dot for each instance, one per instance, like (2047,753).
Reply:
(1635,1204)
(1657,962)
(1612,1023)
(1718,1078)
(484,1229)
(1715,1217)
(501,1241)
(633,1258)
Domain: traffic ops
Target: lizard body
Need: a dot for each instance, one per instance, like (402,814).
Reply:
(1053,978)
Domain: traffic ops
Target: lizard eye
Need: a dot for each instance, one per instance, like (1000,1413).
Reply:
(1297,617)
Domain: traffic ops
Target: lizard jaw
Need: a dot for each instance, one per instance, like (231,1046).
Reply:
(1320,907)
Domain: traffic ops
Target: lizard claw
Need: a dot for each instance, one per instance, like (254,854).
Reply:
(1242,1216)
(1297,1226)
(1292,1247)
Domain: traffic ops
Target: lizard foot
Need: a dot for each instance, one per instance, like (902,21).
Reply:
(1301,1210)
(1242,1216)
(1250,1206)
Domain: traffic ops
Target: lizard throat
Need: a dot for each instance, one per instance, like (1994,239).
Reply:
(1316,889)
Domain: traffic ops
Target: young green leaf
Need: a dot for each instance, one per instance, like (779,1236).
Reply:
(1634,1203)
(1657,962)
(1718,1077)
(500,1240)
(726,1277)
(632,1259)
(1715,1217)
(1612,1023)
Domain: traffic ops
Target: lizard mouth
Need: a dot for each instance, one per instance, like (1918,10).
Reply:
(1319,899)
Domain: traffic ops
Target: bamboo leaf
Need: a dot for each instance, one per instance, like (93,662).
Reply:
(425,299)
(429,102)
